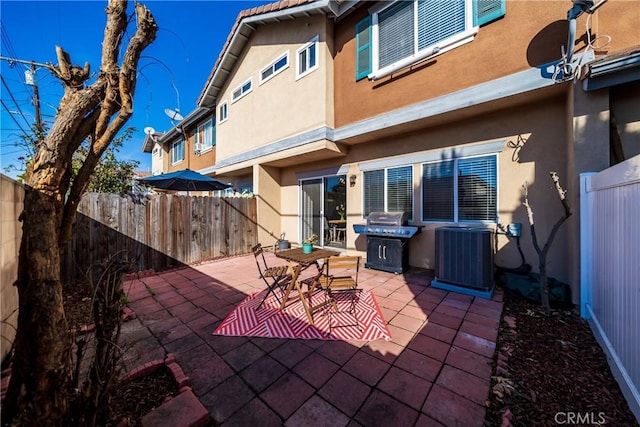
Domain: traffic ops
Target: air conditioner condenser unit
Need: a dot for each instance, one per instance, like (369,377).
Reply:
(464,259)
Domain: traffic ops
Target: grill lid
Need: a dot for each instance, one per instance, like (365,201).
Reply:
(393,219)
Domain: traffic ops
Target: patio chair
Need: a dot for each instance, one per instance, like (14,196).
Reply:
(329,235)
(275,277)
(341,233)
(339,281)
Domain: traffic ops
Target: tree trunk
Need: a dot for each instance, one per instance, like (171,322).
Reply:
(37,390)
(544,286)
(542,252)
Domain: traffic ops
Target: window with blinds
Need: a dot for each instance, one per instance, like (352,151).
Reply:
(389,190)
(205,136)
(460,190)
(402,32)
(407,27)
(396,33)
(177,151)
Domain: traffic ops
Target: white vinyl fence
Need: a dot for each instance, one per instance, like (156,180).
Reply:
(610,269)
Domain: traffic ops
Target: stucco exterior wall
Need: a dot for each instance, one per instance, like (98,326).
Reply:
(282,106)
(534,144)
(191,160)
(529,35)
(269,205)
(11,205)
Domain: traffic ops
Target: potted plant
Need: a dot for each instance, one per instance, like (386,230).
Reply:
(307,244)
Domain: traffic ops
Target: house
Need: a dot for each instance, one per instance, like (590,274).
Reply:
(445,110)
(151,144)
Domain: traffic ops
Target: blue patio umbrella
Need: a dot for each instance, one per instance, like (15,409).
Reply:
(184,180)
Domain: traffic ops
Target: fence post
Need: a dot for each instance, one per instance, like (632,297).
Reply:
(586,225)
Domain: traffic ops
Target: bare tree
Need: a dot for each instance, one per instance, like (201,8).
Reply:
(542,252)
(37,392)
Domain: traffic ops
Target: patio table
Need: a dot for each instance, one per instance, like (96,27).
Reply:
(334,224)
(305,261)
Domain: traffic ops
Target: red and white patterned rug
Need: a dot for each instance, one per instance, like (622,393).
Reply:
(271,322)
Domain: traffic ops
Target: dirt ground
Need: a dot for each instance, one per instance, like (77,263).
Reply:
(550,368)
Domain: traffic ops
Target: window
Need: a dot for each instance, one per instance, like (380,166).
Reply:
(241,91)
(157,151)
(460,190)
(307,58)
(389,190)
(399,34)
(205,137)
(276,67)
(223,112)
(177,151)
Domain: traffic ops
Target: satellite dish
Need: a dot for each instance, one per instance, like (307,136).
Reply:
(173,114)
(149,130)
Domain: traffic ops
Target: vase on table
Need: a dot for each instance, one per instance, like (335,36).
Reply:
(307,248)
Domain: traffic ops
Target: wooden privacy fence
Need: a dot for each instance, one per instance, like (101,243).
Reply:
(158,231)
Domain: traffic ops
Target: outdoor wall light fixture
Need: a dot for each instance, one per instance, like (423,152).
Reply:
(352,181)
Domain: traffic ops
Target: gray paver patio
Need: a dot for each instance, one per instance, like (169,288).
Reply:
(435,370)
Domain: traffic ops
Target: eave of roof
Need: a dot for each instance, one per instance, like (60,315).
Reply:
(618,68)
(149,140)
(177,130)
(244,26)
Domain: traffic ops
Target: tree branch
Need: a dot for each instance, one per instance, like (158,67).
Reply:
(529,210)
(122,89)
(561,193)
(567,210)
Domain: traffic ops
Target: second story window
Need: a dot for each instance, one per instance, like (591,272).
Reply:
(223,112)
(398,34)
(205,137)
(177,152)
(241,91)
(276,67)
(307,58)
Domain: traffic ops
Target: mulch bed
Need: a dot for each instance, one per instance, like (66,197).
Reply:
(77,304)
(133,399)
(548,367)
(130,400)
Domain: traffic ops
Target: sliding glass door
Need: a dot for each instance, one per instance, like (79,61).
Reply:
(323,210)
(311,209)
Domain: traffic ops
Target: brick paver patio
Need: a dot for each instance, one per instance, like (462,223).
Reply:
(435,371)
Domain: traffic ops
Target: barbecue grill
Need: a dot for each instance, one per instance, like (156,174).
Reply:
(387,240)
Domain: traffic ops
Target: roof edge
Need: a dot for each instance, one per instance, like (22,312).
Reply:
(247,17)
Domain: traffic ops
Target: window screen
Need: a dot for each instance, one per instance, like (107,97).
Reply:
(396,33)
(399,190)
(437,191)
(460,190)
(438,20)
(389,190)
(373,191)
(477,189)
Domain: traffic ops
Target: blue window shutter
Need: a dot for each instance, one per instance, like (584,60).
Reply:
(485,11)
(363,48)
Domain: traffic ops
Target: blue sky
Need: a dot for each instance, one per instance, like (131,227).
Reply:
(172,72)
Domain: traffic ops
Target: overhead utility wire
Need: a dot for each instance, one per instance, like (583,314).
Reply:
(14,119)
(6,44)
(15,102)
